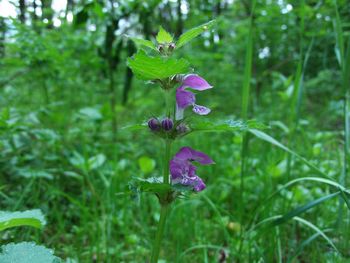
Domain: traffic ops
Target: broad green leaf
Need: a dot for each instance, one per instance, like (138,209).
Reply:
(27,252)
(139,42)
(152,68)
(152,185)
(193,33)
(146,164)
(163,36)
(90,113)
(304,208)
(33,218)
(96,161)
(226,126)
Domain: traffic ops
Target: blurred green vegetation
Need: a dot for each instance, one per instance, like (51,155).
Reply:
(66,92)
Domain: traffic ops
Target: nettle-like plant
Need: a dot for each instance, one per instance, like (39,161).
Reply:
(176,79)
(24,251)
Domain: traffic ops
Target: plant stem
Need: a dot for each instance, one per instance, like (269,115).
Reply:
(166,161)
(160,231)
(245,108)
(168,106)
(164,206)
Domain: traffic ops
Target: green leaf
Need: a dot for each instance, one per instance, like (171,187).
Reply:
(163,36)
(27,252)
(146,164)
(96,161)
(193,33)
(226,126)
(317,230)
(304,244)
(263,136)
(135,127)
(304,208)
(151,68)
(151,185)
(345,195)
(33,218)
(139,42)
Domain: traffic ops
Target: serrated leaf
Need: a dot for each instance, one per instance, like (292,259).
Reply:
(193,33)
(27,252)
(163,36)
(139,42)
(152,185)
(151,68)
(33,218)
(226,125)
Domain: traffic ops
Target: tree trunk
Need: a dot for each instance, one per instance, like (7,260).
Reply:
(69,8)
(2,36)
(180,24)
(47,12)
(22,11)
(128,74)
(113,59)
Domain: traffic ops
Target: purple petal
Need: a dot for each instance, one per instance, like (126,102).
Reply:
(184,98)
(179,113)
(188,154)
(201,110)
(196,82)
(199,185)
(200,157)
(184,154)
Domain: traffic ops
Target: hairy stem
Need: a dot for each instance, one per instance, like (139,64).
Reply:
(164,206)
(160,231)
(166,161)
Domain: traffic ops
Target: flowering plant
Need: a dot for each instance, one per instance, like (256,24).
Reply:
(175,78)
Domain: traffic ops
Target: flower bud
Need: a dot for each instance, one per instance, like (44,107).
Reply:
(160,48)
(154,124)
(172,46)
(182,128)
(167,124)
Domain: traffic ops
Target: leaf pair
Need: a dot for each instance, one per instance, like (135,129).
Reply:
(25,251)
(164,37)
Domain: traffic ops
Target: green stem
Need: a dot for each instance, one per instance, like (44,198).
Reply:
(164,206)
(168,105)
(166,161)
(160,231)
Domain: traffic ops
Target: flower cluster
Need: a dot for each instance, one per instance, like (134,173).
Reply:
(184,172)
(185,98)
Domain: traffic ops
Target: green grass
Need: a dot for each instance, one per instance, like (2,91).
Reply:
(278,195)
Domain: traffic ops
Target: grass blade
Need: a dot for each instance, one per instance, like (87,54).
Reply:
(304,208)
(265,137)
(317,230)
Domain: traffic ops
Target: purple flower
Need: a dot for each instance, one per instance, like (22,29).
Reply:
(184,172)
(185,98)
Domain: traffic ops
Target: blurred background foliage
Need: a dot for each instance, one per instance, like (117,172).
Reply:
(65,93)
